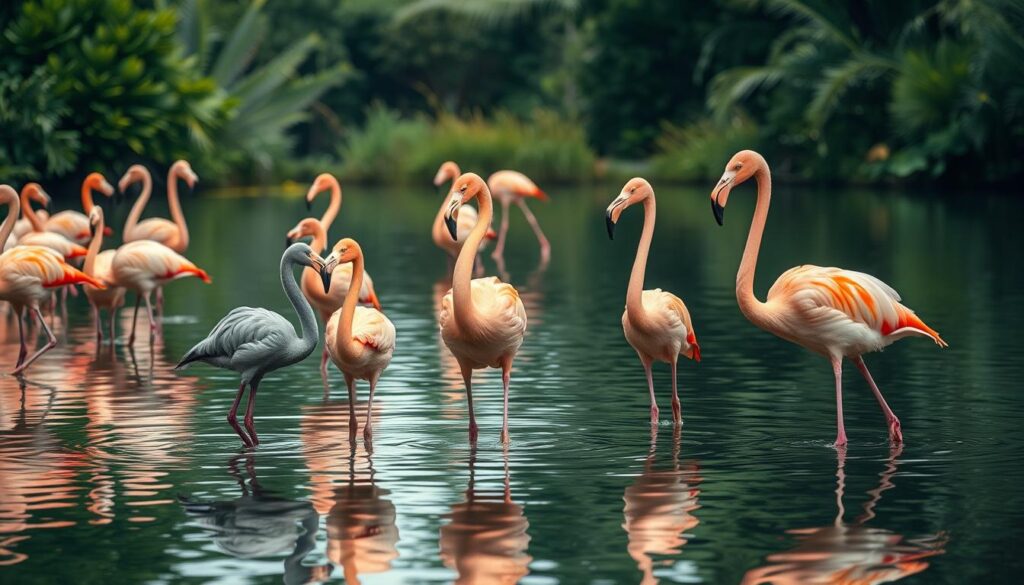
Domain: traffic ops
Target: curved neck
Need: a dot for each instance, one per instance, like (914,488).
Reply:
(94,249)
(87,204)
(175,205)
(333,208)
(439,231)
(635,292)
(26,210)
(9,221)
(136,213)
(310,333)
(348,310)
(462,295)
(319,242)
(749,305)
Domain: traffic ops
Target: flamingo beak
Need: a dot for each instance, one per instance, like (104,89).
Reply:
(611,215)
(287,242)
(721,194)
(326,269)
(719,212)
(451,216)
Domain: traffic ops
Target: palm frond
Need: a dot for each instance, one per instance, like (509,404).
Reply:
(488,11)
(837,80)
(236,54)
(829,25)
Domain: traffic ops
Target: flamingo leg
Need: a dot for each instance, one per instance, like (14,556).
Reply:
(545,246)
(250,411)
(467,377)
(368,428)
(135,318)
(353,422)
(837,369)
(233,416)
(677,410)
(152,320)
(499,248)
(895,434)
(323,363)
(650,388)
(51,342)
(160,300)
(21,338)
(113,319)
(99,323)
(506,375)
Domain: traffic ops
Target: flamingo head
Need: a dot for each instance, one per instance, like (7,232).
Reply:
(97,182)
(743,165)
(8,196)
(307,228)
(635,190)
(345,251)
(302,254)
(464,189)
(95,220)
(182,169)
(35,192)
(323,182)
(134,174)
(448,171)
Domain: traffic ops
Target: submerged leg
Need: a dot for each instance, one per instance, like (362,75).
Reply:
(368,428)
(51,342)
(677,410)
(499,248)
(152,320)
(113,320)
(506,375)
(135,318)
(250,411)
(19,315)
(545,246)
(323,363)
(650,388)
(467,377)
(233,416)
(895,433)
(837,369)
(99,323)
(353,422)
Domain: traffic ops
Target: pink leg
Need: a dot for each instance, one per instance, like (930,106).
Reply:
(368,428)
(323,363)
(650,387)
(52,341)
(677,410)
(506,375)
(233,416)
(21,337)
(895,434)
(135,318)
(353,422)
(153,333)
(467,377)
(545,246)
(499,248)
(250,411)
(837,369)
(160,300)
(99,324)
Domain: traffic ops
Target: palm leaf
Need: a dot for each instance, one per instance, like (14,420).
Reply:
(837,80)
(830,28)
(268,78)
(240,48)
(489,11)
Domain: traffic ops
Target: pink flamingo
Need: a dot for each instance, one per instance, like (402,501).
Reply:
(39,236)
(482,321)
(833,312)
(326,303)
(656,323)
(509,186)
(449,171)
(27,273)
(325,182)
(173,234)
(24,225)
(98,265)
(142,266)
(360,340)
(74,225)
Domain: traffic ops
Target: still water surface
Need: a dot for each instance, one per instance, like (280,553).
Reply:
(111,464)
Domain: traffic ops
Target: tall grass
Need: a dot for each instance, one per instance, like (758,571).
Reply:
(390,148)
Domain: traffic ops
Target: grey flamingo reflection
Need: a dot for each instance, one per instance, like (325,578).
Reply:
(486,539)
(659,508)
(259,524)
(851,553)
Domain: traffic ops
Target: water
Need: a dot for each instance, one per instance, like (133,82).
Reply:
(113,464)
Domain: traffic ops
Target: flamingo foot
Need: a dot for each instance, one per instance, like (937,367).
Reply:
(233,421)
(840,440)
(250,425)
(654,415)
(895,434)
(677,411)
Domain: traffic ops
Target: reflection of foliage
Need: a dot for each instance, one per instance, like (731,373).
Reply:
(100,73)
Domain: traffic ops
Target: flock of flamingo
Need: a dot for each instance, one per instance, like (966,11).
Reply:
(840,314)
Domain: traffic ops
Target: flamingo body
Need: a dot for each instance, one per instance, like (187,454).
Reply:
(514,183)
(71,225)
(514,187)
(173,234)
(375,337)
(160,230)
(112,296)
(144,265)
(54,241)
(502,320)
(669,333)
(28,272)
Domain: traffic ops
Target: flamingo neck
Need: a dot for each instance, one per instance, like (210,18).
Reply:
(175,206)
(348,310)
(635,292)
(136,213)
(310,333)
(87,203)
(26,210)
(319,242)
(439,232)
(94,249)
(462,287)
(12,216)
(750,306)
(334,207)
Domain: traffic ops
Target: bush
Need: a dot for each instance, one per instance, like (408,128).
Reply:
(699,151)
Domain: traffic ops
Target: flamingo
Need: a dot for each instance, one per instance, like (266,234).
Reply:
(98,265)
(482,321)
(833,312)
(449,171)
(74,225)
(509,186)
(360,340)
(173,234)
(144,265)
(39,236)
(253,341)
(26,275)
(327,303)
(656,322)
(325,182)
(24,225)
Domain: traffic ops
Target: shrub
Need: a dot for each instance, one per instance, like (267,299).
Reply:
(699,151)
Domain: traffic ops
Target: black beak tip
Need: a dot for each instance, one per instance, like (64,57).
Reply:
(611,226)
(719,212)
(325,277)
(452,227)
(309,205)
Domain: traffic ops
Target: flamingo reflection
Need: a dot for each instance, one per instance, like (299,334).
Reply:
(259,524)
(851,553)
(486,539)
(659,509)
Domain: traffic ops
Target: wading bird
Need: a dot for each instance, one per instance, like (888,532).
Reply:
(144,265)
(24,224)
(656,322)
(326,303)
(325,182)
(449,171)
(74,225)
(38,236)
(513,186)
(833,312)
(27,275)
(360,340)
(482,320)
(173,234)
(254,341)
(98,266)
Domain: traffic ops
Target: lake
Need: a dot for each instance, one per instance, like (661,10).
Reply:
(113,467)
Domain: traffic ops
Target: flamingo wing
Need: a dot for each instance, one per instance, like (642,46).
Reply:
(73,225)
(244,337)
(372,328)
(156,229)
(674,307)
(516,183)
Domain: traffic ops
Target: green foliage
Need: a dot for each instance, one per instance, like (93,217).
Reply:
(698,151)
(95,84)
(392,148)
